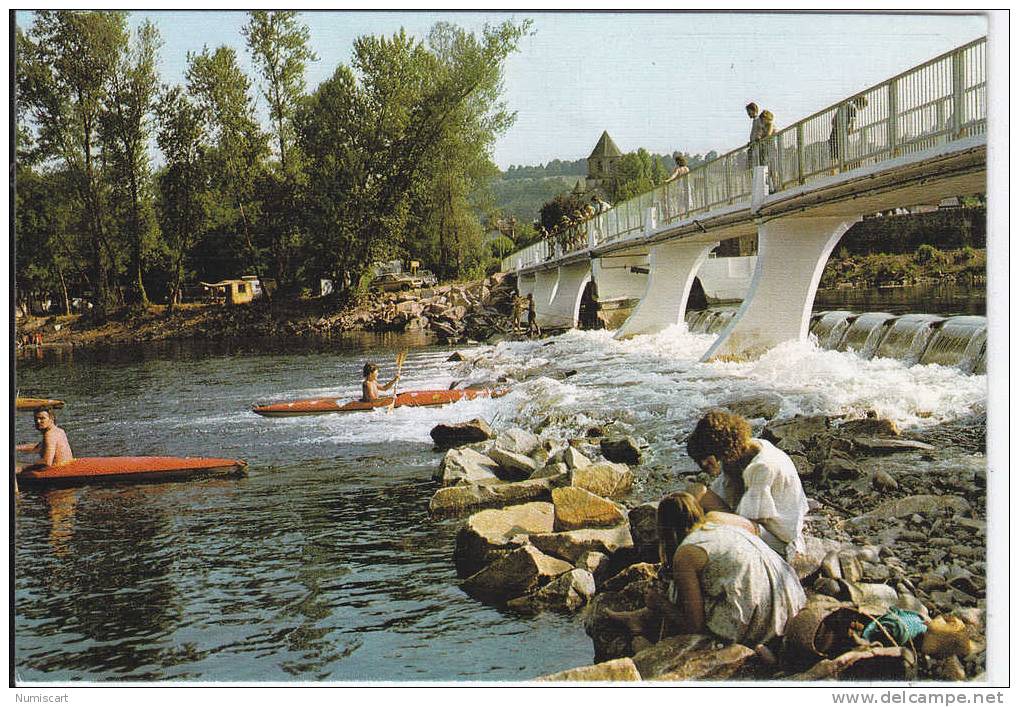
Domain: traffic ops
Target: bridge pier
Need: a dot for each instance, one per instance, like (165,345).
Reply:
(673,268)
(563,305)
(791,255)
(525,284)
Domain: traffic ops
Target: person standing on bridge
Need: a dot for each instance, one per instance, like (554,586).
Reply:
(843,123)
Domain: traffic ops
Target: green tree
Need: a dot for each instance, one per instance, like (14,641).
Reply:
(278,44)
(127,129)
(560,208)
(237,152)
(397,142)
(184,184)
(65,65)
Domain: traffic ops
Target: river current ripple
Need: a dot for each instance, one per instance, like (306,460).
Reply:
(323,564)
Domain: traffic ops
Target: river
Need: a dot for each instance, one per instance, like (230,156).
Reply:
(323,564)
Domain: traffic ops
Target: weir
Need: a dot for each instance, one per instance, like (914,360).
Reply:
(957,341)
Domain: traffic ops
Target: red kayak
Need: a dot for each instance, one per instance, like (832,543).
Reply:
(103,470)
(415,398)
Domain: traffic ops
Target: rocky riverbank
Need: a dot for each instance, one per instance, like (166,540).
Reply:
(556,525)
(454,313)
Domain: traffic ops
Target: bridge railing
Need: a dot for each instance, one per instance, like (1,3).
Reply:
(942,100)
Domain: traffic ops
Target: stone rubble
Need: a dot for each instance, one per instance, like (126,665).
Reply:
(573,546)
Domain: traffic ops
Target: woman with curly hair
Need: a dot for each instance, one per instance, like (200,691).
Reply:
(721,578)
(754,479)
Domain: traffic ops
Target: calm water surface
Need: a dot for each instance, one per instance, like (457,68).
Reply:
(323,564)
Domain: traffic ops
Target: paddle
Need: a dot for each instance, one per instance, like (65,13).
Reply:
(400,358)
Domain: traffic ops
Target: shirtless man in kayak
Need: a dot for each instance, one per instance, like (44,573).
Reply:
(370,385)
(54,449)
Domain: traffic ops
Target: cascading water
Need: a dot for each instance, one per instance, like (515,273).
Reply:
(830,327)
(907,337)
(959,341)
(864,334)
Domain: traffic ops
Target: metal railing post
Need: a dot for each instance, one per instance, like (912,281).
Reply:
(893,118)
(958,91)
(799,152)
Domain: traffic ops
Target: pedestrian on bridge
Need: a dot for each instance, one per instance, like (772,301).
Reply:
(843,124)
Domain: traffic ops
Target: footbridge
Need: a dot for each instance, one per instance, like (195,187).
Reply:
(914,139)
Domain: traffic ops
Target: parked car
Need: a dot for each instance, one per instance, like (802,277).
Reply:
(396,282)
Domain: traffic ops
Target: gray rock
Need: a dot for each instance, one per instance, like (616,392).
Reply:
(868,427)
(491,534)
(576,508)
(617,670)
(571,544)
(574,459)
(839,469)
(644,530)
(517,441)
(521,571)
(669,654)
(606,479)
(476,430)
(465,464)
(728,663)
(804,467)
(789,434)
(621,449)
(815,550)
(882,445)
(568,592)
(765,405)
(881,480)
(453,500)
(515,466)
(597,563)
(922,504)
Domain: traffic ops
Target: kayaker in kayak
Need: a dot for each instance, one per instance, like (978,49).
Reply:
(54,449)
(370,386)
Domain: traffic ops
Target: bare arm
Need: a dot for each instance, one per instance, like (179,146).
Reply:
(28,447)
(688,611)
(390,384)
(709,500)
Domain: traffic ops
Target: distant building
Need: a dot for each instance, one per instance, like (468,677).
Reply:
(603,161)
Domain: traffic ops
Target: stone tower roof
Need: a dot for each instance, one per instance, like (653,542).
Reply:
(605,147)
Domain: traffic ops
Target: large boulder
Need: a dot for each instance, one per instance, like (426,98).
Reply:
(567,592)
(571,544)
(491,534)
(870,664)
(606,479)
(514,466)
(621,449)
(476,430)
(869,427)
(885,445)
(618,670)
(764,405)
(731,662)
(808,561)
(452,500)
(669,654)
(577,508)
(465,465)
(597,563)
(644,531)
(521,571)
(575,459)
(517,440)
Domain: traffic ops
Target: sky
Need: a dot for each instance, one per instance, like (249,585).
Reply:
(662,81)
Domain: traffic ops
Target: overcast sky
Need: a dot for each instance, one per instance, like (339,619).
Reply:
(663,81)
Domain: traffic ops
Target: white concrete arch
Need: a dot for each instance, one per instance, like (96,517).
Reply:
(791,255)
(563,307)
(673,267)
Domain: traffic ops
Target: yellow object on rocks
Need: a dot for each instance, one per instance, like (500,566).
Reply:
(946,636)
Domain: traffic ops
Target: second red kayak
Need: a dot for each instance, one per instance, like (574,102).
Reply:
(415,398)
(98,470)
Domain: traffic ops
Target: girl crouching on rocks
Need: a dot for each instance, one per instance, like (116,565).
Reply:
(721,578)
